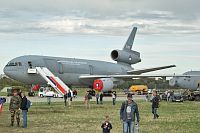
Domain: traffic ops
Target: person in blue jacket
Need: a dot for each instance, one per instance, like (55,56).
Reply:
(128,112)
(24,110)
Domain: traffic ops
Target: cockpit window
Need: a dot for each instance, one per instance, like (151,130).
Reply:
(14,64)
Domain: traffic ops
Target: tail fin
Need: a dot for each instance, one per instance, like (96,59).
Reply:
(129,42)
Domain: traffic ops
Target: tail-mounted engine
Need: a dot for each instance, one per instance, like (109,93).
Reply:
(128,57)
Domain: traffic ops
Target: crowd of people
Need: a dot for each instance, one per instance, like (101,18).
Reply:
(129,111)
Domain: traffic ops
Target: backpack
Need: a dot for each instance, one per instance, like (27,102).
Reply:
(28,104)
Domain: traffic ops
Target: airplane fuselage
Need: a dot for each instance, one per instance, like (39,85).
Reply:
(67,69)
(190,82)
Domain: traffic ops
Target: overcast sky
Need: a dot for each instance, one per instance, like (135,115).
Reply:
(168,31)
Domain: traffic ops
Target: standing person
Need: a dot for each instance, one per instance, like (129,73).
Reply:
(24,109)
(65,98)
(97,97)
(168,95)
(49,95)
(114,96)
(49,100)
(147,97)
(75,93)
(106,126)
(101,98)
(14,107)
(155,104)
(72,95)
(87,99)
(69,97)
(128,111)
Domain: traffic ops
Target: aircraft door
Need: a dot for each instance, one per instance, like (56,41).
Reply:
(91,69)
(60,68)
(30,64)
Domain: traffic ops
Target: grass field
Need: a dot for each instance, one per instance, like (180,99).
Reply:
(174,118)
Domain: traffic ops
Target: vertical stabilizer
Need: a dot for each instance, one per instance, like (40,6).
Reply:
(127,55)
(129,42)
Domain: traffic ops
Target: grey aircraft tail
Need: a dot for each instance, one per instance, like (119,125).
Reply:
(129,42)
(127,55)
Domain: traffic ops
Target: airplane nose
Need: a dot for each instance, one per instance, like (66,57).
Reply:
(5,70)
(173,81)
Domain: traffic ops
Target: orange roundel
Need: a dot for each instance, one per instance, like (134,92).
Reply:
(98,85)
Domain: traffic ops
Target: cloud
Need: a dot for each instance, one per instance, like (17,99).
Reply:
(111,17)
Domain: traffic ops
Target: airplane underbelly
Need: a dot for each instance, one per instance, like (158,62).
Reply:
(32,79)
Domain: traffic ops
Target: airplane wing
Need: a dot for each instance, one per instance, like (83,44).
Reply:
(137,72)
(132,76)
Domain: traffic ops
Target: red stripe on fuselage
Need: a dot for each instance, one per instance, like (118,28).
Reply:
(58,85)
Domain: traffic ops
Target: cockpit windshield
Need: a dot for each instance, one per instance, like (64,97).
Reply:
(14,64)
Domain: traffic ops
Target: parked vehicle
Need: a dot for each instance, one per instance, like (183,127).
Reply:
(177,97)
(139,89)
(47,92)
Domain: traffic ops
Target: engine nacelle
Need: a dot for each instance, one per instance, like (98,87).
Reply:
(103,84)
(129,57)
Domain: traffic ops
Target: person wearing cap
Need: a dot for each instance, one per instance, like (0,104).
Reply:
(14,108)
(128,112)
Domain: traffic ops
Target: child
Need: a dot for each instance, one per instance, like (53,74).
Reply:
(106,126)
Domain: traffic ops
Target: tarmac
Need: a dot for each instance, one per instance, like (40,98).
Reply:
(79,98)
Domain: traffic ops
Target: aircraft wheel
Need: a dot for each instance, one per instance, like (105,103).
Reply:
(41,95)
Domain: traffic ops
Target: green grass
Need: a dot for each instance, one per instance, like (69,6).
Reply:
(174,118)
(3,94)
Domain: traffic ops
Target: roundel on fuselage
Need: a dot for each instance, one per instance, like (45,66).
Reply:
(98,85)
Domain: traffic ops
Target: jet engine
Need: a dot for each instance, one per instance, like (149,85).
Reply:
(129,57)
(103,84)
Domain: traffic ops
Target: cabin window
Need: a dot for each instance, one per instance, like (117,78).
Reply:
(14,64)
(11,64)
(18,63)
